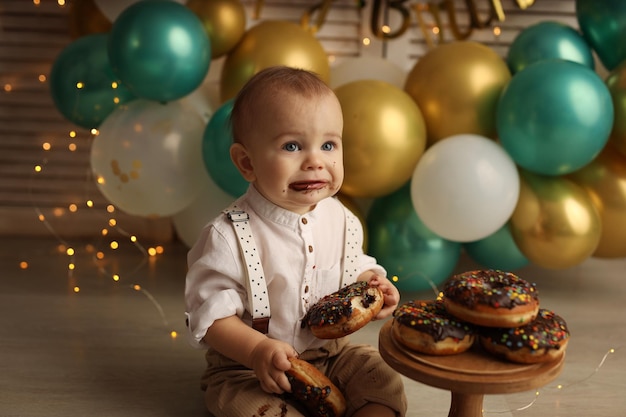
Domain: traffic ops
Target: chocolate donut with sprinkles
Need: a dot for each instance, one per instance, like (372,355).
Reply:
(314,391)
(345,311)
(426,327)
(491,298)
(542,340)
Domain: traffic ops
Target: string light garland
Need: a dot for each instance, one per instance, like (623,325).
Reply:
(97,256)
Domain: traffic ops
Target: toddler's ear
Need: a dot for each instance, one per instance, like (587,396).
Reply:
(239,156)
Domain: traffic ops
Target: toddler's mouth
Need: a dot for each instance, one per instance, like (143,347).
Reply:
(307,185)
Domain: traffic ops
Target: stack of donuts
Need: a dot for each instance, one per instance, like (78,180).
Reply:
(496,309)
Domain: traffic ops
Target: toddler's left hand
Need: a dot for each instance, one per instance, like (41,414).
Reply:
(391,295)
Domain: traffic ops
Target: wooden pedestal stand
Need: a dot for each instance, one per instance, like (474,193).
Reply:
(468,376)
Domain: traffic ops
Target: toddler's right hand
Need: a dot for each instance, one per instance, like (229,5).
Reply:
(270,360)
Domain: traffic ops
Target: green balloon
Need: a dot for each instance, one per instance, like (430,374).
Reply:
(603,24)
(405,247)
(159,49)
(497,251)
(216,143)
(82,83)
(548,40)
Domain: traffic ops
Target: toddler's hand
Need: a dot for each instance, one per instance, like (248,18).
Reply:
(269,362)
(391,295)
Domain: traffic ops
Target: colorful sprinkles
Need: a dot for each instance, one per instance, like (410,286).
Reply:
(495,288)
(431,317)
(547,331)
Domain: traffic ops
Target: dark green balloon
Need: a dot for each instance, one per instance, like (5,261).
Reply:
(497,251)
(603,24)
(216,143)
(405,247)
(82,82)
(159,49)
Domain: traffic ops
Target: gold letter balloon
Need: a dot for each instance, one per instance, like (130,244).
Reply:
(456,86)
(555,224)
(270,43)
(383,137)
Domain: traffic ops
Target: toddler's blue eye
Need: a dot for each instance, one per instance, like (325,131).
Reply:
(328,146)
(291,147)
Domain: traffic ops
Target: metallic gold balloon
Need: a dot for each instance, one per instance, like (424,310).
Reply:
(383,137)
(456,86)
(616,83)
(86,18)
(223,20)
(555,224)
(267,44)
(605,180)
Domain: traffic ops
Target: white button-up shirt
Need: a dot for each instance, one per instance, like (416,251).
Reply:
(302,260)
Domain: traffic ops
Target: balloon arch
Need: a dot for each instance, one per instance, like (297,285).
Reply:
(515,161)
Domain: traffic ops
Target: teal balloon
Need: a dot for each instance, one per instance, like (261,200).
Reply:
(216,143)
(548,40)
(497,251)
(405,247)
(603,24)
(82,84)
(554,117)
(159,49)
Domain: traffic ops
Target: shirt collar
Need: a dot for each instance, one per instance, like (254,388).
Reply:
(265,208)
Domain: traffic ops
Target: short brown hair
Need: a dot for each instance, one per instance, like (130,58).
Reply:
(270,82)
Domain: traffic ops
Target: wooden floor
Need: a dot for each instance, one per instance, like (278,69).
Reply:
(107,350)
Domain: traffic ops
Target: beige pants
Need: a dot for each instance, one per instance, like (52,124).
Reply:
(358,371)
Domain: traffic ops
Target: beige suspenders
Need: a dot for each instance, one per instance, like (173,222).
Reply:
(258,300)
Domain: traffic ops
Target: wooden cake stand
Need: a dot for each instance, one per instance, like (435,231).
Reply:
(469,375)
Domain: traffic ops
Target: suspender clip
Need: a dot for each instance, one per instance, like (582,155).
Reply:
(238,216)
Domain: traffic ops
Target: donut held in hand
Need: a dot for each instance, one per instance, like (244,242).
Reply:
(542,340)
(313,390)
(491,298)
(344,311)
(426,327)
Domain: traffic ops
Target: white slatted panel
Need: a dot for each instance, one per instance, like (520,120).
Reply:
(31,36)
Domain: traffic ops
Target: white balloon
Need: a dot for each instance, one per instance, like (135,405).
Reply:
(189,222)
(147,158)
(111,9)
(465,187)
(366,68)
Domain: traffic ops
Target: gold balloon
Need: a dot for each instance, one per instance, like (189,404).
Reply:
(86,18)
(383,137)
(223,20)
(616,83)
(457,86)
(605,181)
(555,224)
(267,44)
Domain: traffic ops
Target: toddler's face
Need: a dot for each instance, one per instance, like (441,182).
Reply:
(295,150)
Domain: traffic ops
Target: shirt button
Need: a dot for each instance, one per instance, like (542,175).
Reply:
(304,220)
(310,248)
(306,289)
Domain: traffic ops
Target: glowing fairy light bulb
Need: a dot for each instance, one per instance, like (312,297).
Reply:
(173,334)
(114,245)
(151,251)
(70,251)
(77,289)
(137,287)
(23,265)
(116,277)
